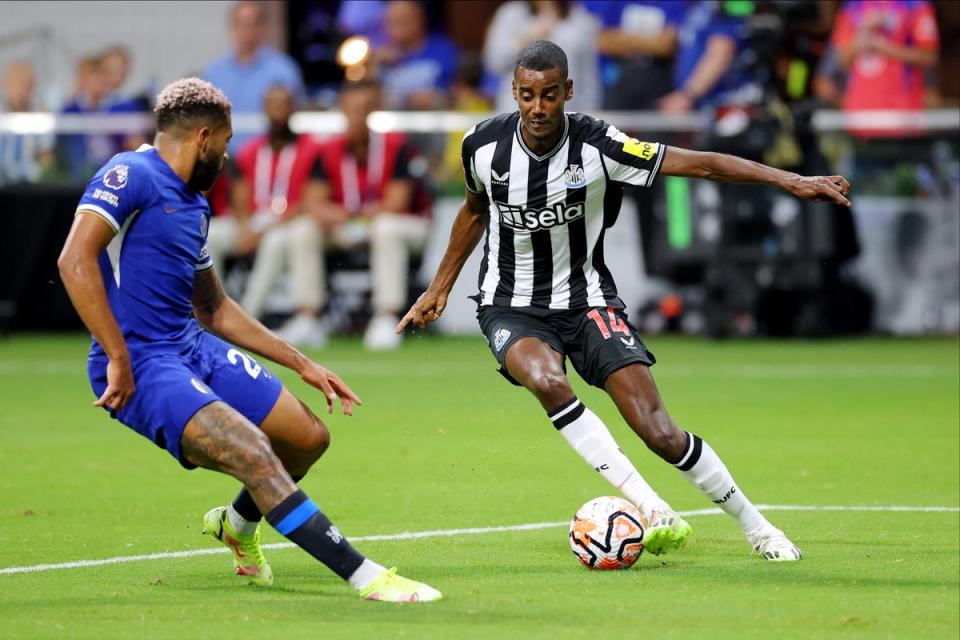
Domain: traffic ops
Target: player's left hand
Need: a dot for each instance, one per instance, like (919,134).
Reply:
(821,189)
(332,386)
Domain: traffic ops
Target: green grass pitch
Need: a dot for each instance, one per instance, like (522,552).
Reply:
(442,442)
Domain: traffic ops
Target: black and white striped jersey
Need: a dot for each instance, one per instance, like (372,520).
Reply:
(549,213)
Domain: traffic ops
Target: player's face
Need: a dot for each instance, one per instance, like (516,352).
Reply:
(211,156)
(540,95)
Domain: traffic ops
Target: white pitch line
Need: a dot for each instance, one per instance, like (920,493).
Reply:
(415,535)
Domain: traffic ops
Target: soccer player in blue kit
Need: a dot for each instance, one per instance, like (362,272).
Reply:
(136,268)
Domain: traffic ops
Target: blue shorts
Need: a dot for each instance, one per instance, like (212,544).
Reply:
(172,387)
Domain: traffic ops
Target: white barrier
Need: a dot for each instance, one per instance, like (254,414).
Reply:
(330,122)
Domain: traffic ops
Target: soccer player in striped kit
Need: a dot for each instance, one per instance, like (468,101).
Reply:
(545,186)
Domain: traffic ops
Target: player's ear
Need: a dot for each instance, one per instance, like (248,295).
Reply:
(203,137)
(513,91)
(568,90)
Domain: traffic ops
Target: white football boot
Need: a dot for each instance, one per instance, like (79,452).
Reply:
(774,545)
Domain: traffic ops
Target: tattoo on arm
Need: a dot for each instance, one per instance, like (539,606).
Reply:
(218,437)
(208,293)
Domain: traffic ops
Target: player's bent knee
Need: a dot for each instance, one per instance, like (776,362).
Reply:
(316,442)
(550,388)
(313,436)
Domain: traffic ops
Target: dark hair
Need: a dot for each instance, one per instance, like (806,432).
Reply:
(470,70)
(541,55)
(184,101)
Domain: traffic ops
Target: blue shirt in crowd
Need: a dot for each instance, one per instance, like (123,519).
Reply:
(246,85)
(701,21)
(432,67)
(82,153)
(638,18)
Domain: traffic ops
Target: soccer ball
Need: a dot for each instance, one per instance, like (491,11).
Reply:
(607,533)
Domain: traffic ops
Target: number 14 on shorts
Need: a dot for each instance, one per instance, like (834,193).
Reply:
(616,324)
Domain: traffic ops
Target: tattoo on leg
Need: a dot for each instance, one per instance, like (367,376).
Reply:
(218,437)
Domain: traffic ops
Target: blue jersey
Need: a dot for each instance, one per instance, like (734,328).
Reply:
(148,268)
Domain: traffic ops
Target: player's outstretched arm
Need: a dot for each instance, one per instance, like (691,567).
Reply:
(81,275)
(721,167)
(467,230)
(222,315)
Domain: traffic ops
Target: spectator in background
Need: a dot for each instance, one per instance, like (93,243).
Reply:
(572,28)
(886,47)
(23,157)
(637,43)
(115,63)
(247,74)
(116,67)
(269,200)
(370,190)
(83,153)
(467,98)
(705,73)
(415,66)
(95,93)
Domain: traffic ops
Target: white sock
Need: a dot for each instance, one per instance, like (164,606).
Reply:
(364,575)
(705,470)
(589,437)
(240,524)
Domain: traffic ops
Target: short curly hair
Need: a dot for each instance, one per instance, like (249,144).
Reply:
(183,101)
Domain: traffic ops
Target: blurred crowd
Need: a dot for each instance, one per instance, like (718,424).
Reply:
(669,55)
(289,202)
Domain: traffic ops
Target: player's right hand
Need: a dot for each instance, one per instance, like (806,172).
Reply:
(331,385)
(120,385)
(428,307)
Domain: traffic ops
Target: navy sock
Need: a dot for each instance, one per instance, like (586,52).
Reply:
(302,522)
(247,508)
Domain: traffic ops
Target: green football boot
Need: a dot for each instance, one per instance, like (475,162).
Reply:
(665,532)
(247,555)
(389,587)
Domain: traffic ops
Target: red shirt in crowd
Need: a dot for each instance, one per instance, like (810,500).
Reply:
(276,177)
(877,81)
(354,183)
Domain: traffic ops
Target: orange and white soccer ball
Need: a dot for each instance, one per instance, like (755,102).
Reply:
(607,533)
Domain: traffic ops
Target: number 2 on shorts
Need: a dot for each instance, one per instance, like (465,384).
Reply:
(252,368)
(616,324)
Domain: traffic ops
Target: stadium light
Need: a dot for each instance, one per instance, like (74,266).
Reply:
(352,51)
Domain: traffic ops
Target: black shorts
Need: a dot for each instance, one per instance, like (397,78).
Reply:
(598,341)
